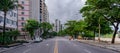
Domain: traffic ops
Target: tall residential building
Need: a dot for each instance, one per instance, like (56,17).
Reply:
(11,20)
(23,15)
(31,9)
(38,10)
(57,26)
(35,10)
(44,15)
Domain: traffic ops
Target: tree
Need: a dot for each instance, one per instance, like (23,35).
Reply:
(70,26)
(109,9)
(95,24)
(46,27)
(75,28)
(31,26)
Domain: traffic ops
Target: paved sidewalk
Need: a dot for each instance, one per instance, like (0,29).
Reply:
(2,49)
(115,47)
(6,49)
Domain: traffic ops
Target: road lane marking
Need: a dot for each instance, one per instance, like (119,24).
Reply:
(87,51)
(26,50)
(47,44)
(56,47)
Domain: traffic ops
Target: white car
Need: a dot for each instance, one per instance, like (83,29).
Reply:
(38,39)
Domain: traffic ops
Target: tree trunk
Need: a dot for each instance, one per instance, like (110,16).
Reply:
(94,34)
(115,32)
(99,30)
(4,25)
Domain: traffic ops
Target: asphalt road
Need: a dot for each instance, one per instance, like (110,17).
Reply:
(59,45)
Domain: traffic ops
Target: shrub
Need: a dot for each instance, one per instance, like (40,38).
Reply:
(9,37)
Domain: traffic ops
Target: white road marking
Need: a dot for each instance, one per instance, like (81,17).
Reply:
(87,51)
(26,50)
(47,44)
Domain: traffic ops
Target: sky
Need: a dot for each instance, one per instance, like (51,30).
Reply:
(64,10)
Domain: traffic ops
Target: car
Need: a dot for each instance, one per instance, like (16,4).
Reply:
(38,39)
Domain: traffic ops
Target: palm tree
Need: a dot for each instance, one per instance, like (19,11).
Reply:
(5,6)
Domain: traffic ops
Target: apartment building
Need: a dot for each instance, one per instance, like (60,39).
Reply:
(23,15)
(57,26)
(11,20)
(38,10)
(43,12)
(35,10)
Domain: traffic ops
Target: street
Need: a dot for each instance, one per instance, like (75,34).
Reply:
(59,45)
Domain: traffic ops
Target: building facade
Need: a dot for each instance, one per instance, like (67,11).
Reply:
(23,15)
(38,10)
(44,14)
(57,26)
(11,20)
(35,10)
(31,9)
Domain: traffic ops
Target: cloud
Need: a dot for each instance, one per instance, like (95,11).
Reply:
(64,9)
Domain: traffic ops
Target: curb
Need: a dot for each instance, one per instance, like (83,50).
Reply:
(11,48)
(99,46)
(15,47)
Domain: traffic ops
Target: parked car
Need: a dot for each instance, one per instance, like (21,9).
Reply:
(38,39)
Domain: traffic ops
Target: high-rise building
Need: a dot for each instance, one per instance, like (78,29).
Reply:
(57,25)
(23,15)
(31,9)
(38,10)
(35,10)
(43,12)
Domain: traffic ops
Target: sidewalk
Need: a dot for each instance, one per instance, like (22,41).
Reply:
(107,45)
(6,49)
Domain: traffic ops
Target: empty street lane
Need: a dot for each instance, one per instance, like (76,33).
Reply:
(59,45)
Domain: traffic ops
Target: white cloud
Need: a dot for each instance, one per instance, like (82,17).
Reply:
(64,9)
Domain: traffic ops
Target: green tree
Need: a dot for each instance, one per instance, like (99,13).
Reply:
(31,26)
(46,27)
(109,9)
(75,28)
(5,6)
(93,23)
(70,26)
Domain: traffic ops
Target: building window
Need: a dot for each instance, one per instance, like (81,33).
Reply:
(22,2)
(7,21)
(15,23)
(11,14)
(15,14)
(40,0)
(1,19)
(22,29)
(23,24)
(8,12)
(22,18)
(12,22)
(22,8)
(22,13)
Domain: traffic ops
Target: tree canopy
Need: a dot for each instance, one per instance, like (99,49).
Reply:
(31,26)
(46,27)
(107,9)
